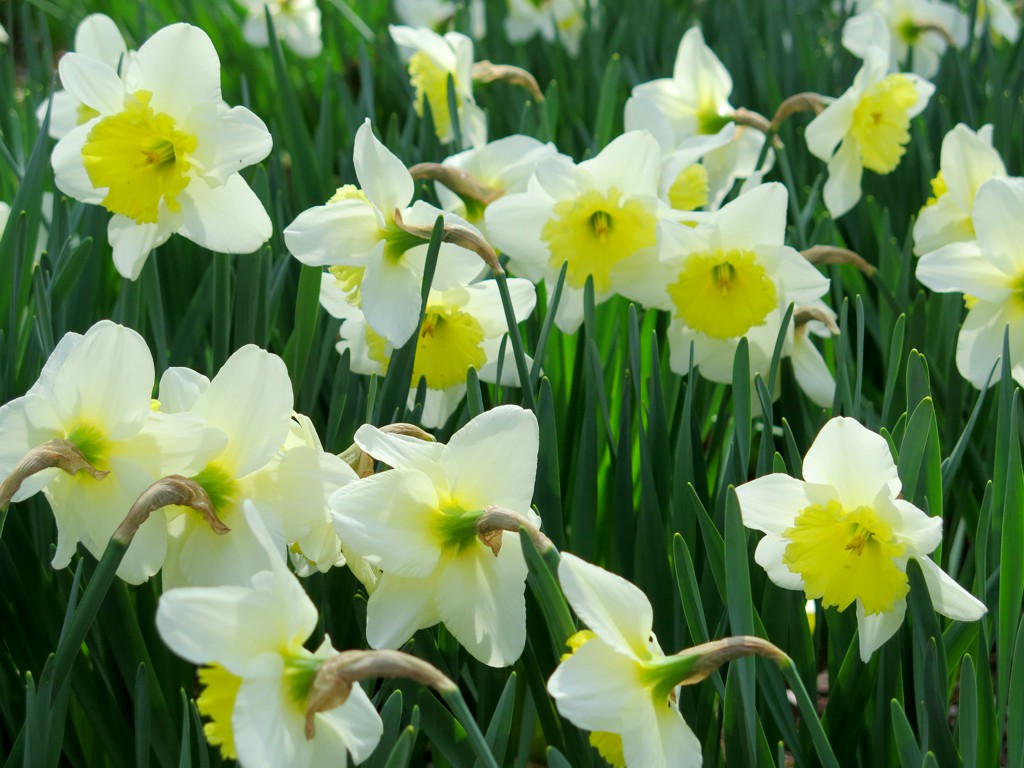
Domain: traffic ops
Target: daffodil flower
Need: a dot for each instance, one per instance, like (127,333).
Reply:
(617,682)
(418,523)
(424,13)
(562,20)
(3,35)
(844,534)
(918,31)
(867,127)
(690,113)
(163,152)
(598,216)
(432,60)
(461,327)
(257,676)
(296,23)
(967,161)
(97,37)
(999,18)
(286,481)
(95,392)
(989,271)
(356,233)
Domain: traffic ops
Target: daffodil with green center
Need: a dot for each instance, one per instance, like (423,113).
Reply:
(729,276)
(258,674)
(97,37)
(967,161)
(432,60)
(356,230)
(461,327)
(691,117)
(918,31)
(598,216)
(417,522)
(868,126)
(989,270)
(561,20)
(844,534)
(286,481)
(296,23)
(163,152)
(95,392)
(617,682)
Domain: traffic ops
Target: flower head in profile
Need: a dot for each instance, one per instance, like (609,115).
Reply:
(692,119)
(424,523)
(967,161)
(93,404)
(379,262)
(461,328)
(617,682)
(554,20)
(98,38)
(868,126)
(999,18)
(599,216)
(432,60)
(163,151)
(296,23)
(989,271)
(257,675)
(844,534)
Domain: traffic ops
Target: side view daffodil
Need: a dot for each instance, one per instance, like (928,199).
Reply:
(296,23)
(87,436)
(868,127)
(561,20)
(461,328)
(999,18)
(163,152)
(357,234)
(258,678)
(967,161)
(439,524)
(919,31)
(96,37)
(989,271)
(598,216)
(844,534)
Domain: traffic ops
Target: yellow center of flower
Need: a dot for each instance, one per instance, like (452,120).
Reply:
(140,157)
(845,555)
(431,84)
(939,188)
(84,113)
(347,192)
(594,232)
(723,294)
(91,440)
(217,702)
(908,30)
(349,279)
(881,122)
(449,342)
(689,191)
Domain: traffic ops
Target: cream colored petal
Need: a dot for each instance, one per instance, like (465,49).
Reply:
(399,607)
(383,177)
(179,66)
(853,460)
(875,629)
(948,597)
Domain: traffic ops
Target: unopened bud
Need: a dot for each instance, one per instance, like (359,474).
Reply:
(710,656)
(362,462)
(496,520)
(486,72)
(830,254)
(53,454)
(456,234)
(167,491)
(800,102)
(462,183)
(804,315)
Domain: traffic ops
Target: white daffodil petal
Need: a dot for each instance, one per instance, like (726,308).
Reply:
(337,233)
(227,219)
(399,607)
(233,139)
(771,503)
(179,66)
(948,597)
(963,268)
(383,177)
(268,730)
(91,82)
(98,37)
(842,189)
(391,299)
(402,451)
(769,554)
(69,173)
(997,222)
(132,243)
(853,460)
(180,388)
(980,343)
(354,727)
(874,629)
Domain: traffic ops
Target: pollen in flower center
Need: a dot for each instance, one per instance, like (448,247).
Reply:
(723,294)
(844,556)
(217,702)
(881,122)
(140,157)
(594,232)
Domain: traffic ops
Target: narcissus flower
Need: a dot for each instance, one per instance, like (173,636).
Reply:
(617,682)
(867,127)
(3,35)
(598,216)
(461,327)
(380,263)
(94,397)
(918,31)
(690,113)
(164,151)
(97,37)
(432,60)
(420,523)
(989,271)
(296,23)
(561,20)
(967,161)
(999,18)
(257,676)
(844,534)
